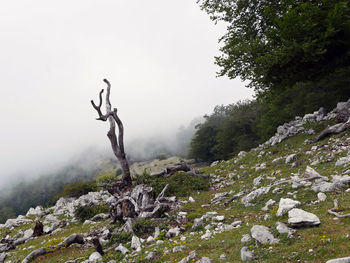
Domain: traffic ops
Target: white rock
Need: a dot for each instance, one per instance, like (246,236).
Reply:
(95,257)
(122,249)
(255,194)
(246,238)
(290,158)
(343,160)
(242,154)
(191,200)
(299,217)
(172,232)
(150,239)
(321,197)
(282,229)
(223,257)
(179,249)
(268,204)
(207,235)
(246,254)
(135,243)
(339,260)
(204,260)
(236,223)
(311,174)
(28,233)
(258,180)
(285,205)
(219,218)
(263,235)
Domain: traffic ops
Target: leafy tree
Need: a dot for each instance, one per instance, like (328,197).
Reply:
(275,44)
(227,131)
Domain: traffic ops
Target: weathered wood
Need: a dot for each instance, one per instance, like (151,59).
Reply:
(335,129)
(335,208)
(38,229)
(74,238)
(117,144)
(139,203)
(3,257)
(97,245)
(34,254)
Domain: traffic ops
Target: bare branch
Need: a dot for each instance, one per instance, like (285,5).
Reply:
(117,143)
(335,208)
(98,108)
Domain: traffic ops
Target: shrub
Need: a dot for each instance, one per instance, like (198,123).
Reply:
(78,189)
(120,237)
(180,184)
(144,227)
(106,179)
(83,213)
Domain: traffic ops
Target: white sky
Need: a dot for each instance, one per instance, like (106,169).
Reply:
(158,55)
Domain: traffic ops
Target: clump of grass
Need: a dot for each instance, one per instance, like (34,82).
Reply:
(180,184)
(83,213)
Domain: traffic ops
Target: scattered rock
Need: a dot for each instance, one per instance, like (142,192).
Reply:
(321,197)
(246,238)
(343,160)
(179,249)
(191,200)
(246,254)
(173,232)
(95,257)
(290,158)
(122,249)
(339,260)
(285,205)
(300,218)
(191,256)
(282,229)
(255,194)
(136,243)
(268,204)
(263,235)
(204,260)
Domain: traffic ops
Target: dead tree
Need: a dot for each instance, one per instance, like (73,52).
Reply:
(116,143)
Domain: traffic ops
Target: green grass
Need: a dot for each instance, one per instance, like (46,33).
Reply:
(327,241)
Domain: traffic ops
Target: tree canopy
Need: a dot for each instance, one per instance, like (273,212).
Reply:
(274,44)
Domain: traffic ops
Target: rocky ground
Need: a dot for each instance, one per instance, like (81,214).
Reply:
(287,200)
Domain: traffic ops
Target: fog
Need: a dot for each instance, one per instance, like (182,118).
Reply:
(158,56)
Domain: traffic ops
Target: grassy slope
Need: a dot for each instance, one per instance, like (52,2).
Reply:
(327,241)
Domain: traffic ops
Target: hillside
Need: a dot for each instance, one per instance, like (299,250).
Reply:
(275,203)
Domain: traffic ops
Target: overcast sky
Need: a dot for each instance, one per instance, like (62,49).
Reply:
(158,55)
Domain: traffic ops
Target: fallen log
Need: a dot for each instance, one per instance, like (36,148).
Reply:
(335,129)
(335,208)
(179,167)
(74,238)
(3,257)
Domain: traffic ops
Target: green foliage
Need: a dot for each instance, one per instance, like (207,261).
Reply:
(144,227)
(106,179)
(280,43)
(280,107)
(227,131)
(78,189)
(83,213)
(6,212)
(120,237)
(180,184)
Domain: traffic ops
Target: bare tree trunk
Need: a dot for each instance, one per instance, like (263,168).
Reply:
(116,143)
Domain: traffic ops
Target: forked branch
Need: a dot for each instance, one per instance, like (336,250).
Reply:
(116,143)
